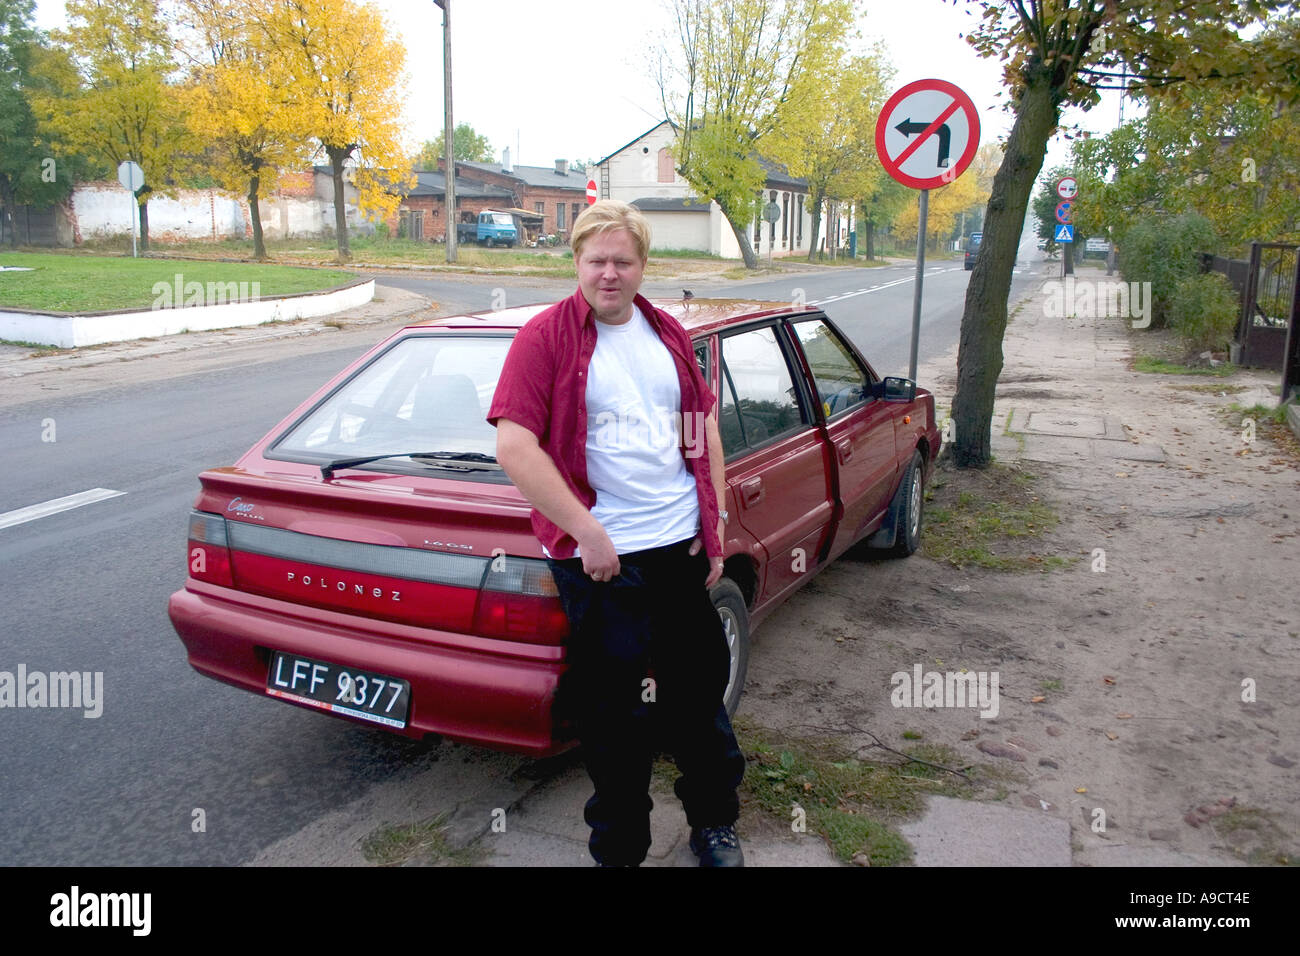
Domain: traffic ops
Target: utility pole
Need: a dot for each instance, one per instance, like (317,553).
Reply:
(449,130)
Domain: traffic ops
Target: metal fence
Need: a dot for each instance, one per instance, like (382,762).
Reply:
(1267,285)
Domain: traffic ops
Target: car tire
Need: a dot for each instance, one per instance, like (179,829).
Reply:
(911,502)
(730,603)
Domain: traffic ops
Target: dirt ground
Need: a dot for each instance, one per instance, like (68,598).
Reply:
(1153,704)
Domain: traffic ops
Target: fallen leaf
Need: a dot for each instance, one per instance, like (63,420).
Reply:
(1110,736)
(1123,716)
(1037,700)
(1080,789)
(1108,680)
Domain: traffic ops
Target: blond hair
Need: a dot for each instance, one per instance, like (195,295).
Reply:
(608,215)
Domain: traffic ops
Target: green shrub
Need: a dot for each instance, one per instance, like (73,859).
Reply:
(1163,252)
(1203,311)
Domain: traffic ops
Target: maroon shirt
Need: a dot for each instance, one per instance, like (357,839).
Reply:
(543,387)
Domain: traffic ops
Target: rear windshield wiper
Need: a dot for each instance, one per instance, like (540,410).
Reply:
(327,470)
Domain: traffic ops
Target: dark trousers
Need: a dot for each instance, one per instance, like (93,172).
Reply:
(648,665)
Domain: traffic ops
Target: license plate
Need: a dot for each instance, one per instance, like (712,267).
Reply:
(340,690)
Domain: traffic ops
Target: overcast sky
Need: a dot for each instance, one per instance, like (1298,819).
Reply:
(572,80)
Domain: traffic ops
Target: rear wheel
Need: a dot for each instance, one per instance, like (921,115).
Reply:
(730,603)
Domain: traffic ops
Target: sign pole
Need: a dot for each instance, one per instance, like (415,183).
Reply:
(135,227)
(921,217)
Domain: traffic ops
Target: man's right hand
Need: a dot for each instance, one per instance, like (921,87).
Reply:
(599,559)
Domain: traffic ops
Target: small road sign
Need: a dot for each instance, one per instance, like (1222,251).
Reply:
(591,191)
(771,212)
(1063,211)
(927,134)
(1067,187)
(1064,233)
(130,175)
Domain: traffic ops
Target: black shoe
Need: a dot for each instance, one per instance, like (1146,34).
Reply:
(717,846)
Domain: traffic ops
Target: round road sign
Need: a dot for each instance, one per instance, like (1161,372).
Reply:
(927,134)
(591,191)
(1067,187)
(1063,211)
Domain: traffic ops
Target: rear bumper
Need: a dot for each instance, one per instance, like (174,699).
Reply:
(486,692)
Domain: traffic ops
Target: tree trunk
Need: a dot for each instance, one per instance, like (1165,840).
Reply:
(819,197)
(255,216)
(144,224)
(871,240)
(742,239)
(337,155)
(984,320)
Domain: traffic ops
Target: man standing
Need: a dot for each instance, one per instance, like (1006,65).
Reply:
(628,512)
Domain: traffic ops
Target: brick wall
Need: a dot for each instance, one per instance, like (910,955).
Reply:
(433,207)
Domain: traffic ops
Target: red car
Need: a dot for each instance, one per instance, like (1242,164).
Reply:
(370,558)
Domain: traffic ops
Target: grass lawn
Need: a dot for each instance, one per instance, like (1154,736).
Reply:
(65,282)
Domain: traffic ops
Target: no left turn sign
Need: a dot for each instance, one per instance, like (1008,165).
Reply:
(927,134)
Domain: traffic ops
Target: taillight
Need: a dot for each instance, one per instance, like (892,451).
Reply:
(519,601)
(209,553)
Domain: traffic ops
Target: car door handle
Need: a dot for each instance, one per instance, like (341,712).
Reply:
(751,491)
(844,447)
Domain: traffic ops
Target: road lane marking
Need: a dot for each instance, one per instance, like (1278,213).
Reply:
(55,505)
(876,288)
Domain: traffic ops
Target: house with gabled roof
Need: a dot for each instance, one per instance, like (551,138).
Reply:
(643,173)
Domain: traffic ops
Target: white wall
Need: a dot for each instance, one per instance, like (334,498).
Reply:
(679,230)
(105,209)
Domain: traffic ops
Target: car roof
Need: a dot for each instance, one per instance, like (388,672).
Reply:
(695,315)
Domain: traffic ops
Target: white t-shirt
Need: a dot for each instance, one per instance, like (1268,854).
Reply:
(645,497)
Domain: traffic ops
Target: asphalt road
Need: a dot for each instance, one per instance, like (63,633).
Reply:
(86,590)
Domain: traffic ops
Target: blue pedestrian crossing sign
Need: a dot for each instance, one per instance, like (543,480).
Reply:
(1064,233)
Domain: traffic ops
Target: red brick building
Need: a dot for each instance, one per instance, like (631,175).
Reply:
(556,193)
(422,214)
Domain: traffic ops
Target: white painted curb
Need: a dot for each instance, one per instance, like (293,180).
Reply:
(71,331)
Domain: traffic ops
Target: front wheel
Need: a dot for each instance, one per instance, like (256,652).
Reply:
(908,515)
(730,603)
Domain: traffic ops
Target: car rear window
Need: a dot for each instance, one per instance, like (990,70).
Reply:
(427,393)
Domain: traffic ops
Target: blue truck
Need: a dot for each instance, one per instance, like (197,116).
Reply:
(492,228)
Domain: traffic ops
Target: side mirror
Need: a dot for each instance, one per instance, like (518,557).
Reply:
(896,389)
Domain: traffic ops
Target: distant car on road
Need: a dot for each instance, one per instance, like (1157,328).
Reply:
(370,558)
(972,248)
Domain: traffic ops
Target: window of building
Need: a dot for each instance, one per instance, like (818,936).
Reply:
(666,174)
(785,219)
(559,216)
(539,208)
(798,220)
(577,209)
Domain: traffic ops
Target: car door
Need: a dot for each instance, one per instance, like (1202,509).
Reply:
(778,461)
(860,427)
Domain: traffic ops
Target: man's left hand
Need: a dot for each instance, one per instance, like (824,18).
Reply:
(715,564)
